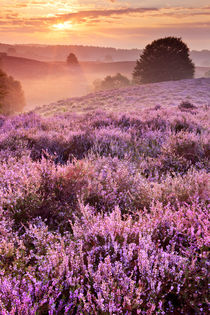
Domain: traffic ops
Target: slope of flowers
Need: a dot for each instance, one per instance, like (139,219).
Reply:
(104,213)
(130,99)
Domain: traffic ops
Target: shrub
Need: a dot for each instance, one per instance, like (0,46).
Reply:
(116,183)
(183,150)
(77,146)
(183,189)
(186,106)
(182,124)
(111,82)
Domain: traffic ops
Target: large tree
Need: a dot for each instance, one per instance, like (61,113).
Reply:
(164,59)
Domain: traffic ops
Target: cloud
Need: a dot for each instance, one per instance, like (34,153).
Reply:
(92,14)
(183,12)
(122,25)
(97,16)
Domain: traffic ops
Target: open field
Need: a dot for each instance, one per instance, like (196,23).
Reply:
(104,203)
(134,98)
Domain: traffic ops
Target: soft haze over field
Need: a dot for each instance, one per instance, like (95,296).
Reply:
(121,23)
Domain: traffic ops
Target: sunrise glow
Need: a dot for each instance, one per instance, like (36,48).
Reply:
(121,24)
(62,26)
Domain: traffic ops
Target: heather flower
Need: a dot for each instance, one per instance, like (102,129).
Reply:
(103,212)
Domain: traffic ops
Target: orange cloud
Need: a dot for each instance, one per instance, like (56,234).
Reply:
(117,26)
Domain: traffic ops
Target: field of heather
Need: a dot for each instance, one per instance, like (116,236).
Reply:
(134,98)
(104,203)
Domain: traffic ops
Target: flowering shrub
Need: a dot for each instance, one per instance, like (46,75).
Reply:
(184,150)
(104,213)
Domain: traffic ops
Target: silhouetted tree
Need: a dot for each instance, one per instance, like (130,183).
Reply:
(164,59)
(72,60)
(111,82)
(11,95)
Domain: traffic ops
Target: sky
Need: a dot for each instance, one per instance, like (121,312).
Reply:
(107,23)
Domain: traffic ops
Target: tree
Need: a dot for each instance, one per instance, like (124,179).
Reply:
(72,60)
(164,59)
(11,95)
(111,82)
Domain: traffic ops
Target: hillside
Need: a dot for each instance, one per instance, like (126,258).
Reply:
(131,99)
(22,68)
(25,68)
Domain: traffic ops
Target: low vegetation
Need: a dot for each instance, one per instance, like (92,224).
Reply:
(105,213)
(111,82)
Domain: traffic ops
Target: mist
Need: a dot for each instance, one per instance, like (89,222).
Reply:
(52,88)
(48,82)
(40,91)
(45,89)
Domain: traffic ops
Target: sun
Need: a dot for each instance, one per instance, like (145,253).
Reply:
(63,26)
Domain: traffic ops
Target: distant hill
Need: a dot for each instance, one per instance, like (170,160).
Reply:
(29,68)
(87,53)
(24,67)
(60,52)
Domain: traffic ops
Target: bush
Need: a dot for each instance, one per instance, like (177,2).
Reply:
(183,150)
(164,59)
(186,106)
(111,82)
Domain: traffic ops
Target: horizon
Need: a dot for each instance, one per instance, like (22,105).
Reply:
(104,23)
(83,45)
